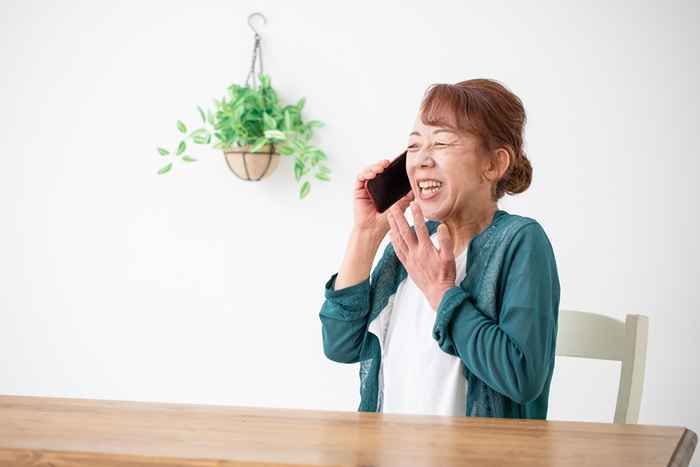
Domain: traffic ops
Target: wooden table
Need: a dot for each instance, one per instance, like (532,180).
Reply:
(62,432)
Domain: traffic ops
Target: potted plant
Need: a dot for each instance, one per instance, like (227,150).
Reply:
(253,129)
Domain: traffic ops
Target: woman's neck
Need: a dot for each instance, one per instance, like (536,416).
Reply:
(468,225)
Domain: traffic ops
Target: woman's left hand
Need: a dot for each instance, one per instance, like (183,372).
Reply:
(432,270)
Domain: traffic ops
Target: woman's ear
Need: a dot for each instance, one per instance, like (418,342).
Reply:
(497,165)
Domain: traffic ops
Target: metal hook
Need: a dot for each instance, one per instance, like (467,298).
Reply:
(251,17)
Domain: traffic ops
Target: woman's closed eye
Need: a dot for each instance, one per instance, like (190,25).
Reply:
(436,144)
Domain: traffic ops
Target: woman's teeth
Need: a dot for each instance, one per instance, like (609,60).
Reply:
(429,188)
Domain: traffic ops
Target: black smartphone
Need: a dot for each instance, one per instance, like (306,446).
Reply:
(391,185)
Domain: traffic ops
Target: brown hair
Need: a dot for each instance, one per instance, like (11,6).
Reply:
(488,110)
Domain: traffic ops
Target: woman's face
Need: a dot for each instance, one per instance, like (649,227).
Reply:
(452,160)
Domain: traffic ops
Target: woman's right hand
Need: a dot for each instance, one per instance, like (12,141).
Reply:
(366,216)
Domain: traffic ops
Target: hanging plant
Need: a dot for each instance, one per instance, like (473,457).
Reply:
(252,121)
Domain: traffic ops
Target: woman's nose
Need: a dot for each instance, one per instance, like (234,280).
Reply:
(425,159)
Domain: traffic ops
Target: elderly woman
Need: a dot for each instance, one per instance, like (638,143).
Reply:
(460,315)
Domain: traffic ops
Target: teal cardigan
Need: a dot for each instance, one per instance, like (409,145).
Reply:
(501,320)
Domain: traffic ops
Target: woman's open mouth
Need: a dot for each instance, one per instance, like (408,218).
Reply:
(429,189)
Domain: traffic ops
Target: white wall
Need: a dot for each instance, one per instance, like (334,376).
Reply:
(198,287)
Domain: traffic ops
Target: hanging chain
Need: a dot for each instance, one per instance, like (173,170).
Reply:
(257,54)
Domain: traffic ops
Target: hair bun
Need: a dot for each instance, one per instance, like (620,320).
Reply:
(520,176)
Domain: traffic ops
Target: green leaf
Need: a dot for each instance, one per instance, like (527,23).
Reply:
(259,144)
(323,176)
(304,189)
(287,120)
(269,122)
(237,114)
(210,117)
(181,148)
(188,159)
(163,152)
(199,136)
(165,168)
(298,169)
(324,169)
(286,150)
(275,134)
(181,126)
(317,155)
(238,101)
(315,123)
(201,113)
(299,146)
(300,104)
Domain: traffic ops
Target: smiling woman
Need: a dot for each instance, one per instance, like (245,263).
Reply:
(460,314)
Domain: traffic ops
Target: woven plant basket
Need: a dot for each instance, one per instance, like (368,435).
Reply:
(252,166)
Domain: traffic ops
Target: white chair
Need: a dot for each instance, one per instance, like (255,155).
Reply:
(590,335)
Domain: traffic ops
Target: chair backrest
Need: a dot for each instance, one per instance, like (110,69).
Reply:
(589,335)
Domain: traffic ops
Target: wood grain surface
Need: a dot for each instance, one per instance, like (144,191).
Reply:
(61,432)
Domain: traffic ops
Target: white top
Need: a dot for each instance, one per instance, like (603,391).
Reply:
(419,377)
